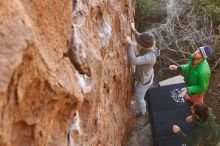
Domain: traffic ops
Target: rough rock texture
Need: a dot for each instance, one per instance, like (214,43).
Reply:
(64,76)
(141,134)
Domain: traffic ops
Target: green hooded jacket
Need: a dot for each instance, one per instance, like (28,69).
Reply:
(203,132)
(196,77)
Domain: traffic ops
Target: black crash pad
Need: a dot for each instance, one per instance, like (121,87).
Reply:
(165,109)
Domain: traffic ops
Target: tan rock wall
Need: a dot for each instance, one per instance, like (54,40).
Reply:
(64,72)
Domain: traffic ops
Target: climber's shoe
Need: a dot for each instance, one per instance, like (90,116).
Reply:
(139,114)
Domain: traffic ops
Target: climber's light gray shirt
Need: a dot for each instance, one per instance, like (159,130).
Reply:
(144,63)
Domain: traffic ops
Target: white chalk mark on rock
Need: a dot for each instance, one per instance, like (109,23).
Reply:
(105,34)
(83,82)
(74,128)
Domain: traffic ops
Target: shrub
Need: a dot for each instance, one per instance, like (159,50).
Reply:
(212,9)
(144,10)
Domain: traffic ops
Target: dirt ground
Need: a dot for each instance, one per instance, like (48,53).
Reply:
(212,96)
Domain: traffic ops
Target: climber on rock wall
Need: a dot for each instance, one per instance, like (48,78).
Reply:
(196,74)
(143,58)
(204,130)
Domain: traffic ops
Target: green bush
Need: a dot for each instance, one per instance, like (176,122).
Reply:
(212,9)
(217,47)
(144,10)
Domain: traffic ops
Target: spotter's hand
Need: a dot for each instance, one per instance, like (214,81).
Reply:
(175,129)
(173,67)
(189,119)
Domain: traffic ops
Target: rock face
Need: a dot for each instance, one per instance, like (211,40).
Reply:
(64,76)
